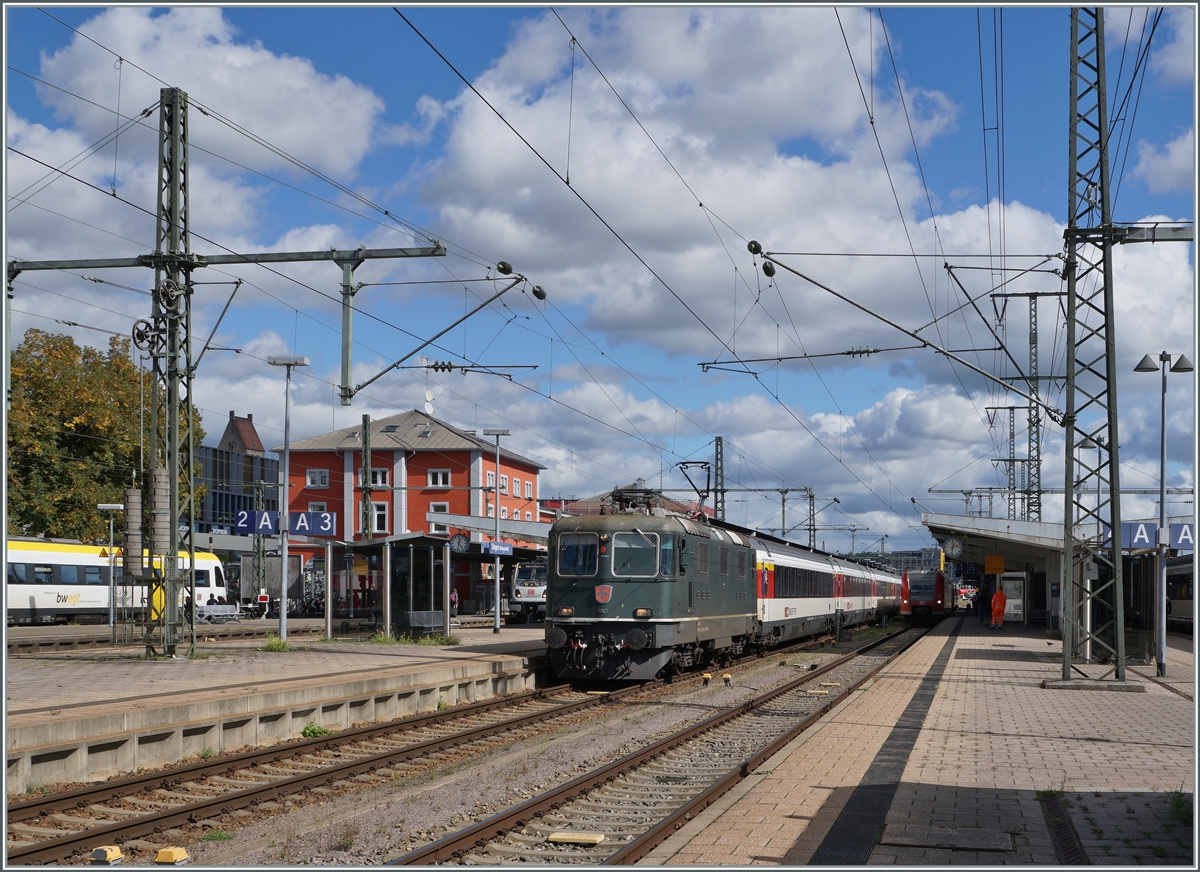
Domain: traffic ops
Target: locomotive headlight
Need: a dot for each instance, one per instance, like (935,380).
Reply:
(643,613)
(516,593)
(564,611)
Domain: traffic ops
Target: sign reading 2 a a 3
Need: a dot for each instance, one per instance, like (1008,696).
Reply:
(259,523)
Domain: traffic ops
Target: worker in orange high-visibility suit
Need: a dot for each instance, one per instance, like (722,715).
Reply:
(999,600)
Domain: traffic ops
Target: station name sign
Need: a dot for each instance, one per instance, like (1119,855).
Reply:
(1145,535)
(498,548)
(258,523)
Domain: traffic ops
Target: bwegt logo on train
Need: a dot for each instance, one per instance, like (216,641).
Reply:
(67,599)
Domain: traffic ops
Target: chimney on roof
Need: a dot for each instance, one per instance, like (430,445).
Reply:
(250,417)
(231,415)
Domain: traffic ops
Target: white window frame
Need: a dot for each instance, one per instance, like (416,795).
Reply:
(491,479)
(438,478)
(439,529)
(378,510)
(504,484)
(529,516)
(379,476)
(504,513)
(317,478)
(516,487)
(528,490)
(491,510)
(318,507)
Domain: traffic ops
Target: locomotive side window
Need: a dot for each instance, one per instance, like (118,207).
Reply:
(201,578)
(578,553)
(741,560)
(702,558)
(635,554)
(666,557)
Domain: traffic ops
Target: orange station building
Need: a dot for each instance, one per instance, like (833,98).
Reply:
(418,465)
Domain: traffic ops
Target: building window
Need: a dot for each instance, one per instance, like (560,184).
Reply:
(439,529)
(318,478)
(379,477)
(317,507)
(529,516)
(504,512)
(528,490)
(516,486)
(439,478)
(491,511)
(504,484)
(379,517)
(491,479)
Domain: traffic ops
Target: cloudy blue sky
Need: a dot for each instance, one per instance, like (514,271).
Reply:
(875,145)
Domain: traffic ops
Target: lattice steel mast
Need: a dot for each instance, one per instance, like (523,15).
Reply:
(1091,389)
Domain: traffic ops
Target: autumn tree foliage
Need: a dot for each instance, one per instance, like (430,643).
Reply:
(74,434)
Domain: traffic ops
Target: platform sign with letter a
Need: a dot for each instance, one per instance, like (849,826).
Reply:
(257,523)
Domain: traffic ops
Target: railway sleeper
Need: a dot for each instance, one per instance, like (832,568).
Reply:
(606,819)
(541,831)
(588,805)
(589,856)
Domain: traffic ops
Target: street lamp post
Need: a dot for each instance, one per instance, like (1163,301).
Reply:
(1147,364)
(496,608)
(111,508)
(284,508)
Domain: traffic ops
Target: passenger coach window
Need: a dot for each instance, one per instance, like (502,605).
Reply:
(578,553)
(68,574)
(43,574)
(95,575)
(635,554)
(16,573)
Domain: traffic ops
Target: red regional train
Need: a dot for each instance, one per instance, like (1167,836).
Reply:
(923,595)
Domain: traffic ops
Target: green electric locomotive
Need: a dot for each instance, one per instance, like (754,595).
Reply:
(630,595)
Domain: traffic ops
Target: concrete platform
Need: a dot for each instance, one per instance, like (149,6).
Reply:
(85,715)
(956,755)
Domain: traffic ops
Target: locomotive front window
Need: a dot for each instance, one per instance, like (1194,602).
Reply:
(666,558)
(578,553)
(635,554)
(920,585)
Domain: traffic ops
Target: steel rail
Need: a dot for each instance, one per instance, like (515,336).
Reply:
(664,829)
(71,842)
(479,834)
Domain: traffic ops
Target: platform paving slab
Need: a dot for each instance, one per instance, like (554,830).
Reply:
(992,742)
(75,716)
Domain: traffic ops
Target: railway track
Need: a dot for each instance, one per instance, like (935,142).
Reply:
(619,812)
(57,827)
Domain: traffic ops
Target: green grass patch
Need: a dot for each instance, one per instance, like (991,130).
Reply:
(216,834)
(1180,804)
(313,730)
(274,643)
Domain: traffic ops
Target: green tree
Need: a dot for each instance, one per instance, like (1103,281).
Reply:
(73,434)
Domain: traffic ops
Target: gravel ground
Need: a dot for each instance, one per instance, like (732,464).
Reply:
(371,825)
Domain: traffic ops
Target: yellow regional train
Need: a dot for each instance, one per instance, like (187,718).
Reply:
(60,582)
